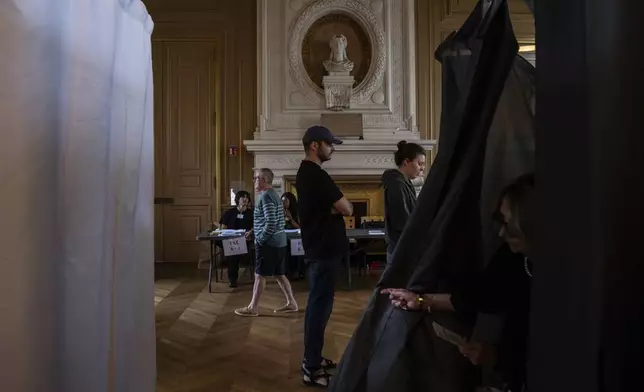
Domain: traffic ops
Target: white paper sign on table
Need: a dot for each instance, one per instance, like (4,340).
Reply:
(296,247)
(235,246)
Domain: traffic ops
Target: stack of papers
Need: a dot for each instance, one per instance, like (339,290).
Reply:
(229,232)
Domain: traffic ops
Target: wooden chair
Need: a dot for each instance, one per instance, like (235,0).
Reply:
(371,218)
(350,222)
(373,248)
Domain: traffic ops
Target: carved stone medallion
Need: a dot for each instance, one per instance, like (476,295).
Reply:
(315,47)
(365,18)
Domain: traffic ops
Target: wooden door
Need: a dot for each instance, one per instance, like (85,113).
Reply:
(186,147)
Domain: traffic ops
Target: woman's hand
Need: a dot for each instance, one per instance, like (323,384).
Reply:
(479,354)
(248,234)
(405,299)
(289,218)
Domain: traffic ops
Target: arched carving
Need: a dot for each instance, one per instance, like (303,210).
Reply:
(315,47)
(361,14)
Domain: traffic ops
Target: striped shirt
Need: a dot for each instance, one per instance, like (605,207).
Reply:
(268,220)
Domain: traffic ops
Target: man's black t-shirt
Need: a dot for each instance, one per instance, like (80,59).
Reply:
(233,219)
(323,233)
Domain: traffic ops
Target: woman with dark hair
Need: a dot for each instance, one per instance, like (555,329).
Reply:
(292,222)
(290,211)
(503,290)
(400,194)
(237,218)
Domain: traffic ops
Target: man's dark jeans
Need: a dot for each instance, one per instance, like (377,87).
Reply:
(322,276)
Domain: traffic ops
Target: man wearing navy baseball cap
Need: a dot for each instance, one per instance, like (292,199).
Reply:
(323,139)
(321,209)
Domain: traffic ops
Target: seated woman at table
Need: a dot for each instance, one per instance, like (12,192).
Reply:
(503,289)
(291,217)
(237,218)
(295,264)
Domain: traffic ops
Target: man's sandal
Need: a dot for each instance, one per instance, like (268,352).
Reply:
(319,378)
(328,364)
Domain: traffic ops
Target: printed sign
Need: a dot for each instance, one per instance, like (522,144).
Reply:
(296,248)
(235,246)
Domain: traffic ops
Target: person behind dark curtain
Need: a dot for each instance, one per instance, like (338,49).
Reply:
(295,265)
(503,289)
(394,350)
(400,194)
(239,217)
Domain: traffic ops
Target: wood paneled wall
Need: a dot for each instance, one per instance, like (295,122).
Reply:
(232,26)
(436,19)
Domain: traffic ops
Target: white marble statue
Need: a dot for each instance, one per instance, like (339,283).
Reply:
(338,60)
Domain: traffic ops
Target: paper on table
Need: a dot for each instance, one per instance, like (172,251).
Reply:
(376,232)
(297,249)
(227,232)
(235,246)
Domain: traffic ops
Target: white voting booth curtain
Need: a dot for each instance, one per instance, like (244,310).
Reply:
(76,196)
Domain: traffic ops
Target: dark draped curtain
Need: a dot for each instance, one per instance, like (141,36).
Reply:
(486,139)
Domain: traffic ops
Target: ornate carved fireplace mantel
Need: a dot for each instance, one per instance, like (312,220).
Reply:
(354,158)
(293,37)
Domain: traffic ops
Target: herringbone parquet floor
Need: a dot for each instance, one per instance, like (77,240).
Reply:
(203,346)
